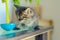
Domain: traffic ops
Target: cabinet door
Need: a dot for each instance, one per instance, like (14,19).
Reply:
(39,37)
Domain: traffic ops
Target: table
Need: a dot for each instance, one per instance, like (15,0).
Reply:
(26,36)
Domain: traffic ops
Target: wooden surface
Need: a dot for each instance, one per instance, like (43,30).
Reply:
(49,35)
(45,23)
(31,34)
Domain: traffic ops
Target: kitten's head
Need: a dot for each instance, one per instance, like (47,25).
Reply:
(24,13)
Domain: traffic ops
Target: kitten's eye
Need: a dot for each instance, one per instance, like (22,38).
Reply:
(30,11)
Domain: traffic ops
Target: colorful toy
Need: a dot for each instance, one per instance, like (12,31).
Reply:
(16,2)
(38,2)
(8,26)
(28,0)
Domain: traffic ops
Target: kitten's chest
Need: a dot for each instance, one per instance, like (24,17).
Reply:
(26,23)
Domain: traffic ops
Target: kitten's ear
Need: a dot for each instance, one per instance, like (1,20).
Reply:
(27,10)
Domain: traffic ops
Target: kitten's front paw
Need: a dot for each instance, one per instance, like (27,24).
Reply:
(16,28)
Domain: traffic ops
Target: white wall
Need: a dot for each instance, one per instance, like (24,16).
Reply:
(51,10)
(2,12)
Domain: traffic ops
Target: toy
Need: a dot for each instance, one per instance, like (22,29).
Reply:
(38,2)
(16,2)
(29,1)
(8,26)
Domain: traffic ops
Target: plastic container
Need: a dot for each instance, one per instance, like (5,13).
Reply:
(8,27)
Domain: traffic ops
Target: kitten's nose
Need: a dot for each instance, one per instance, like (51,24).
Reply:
(19,19)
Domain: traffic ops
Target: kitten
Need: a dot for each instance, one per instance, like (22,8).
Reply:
(26,17)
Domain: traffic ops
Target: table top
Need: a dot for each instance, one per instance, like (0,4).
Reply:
(32,33)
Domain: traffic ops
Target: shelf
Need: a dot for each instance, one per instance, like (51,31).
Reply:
(31,34)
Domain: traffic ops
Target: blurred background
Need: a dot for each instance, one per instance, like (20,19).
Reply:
(50,10)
